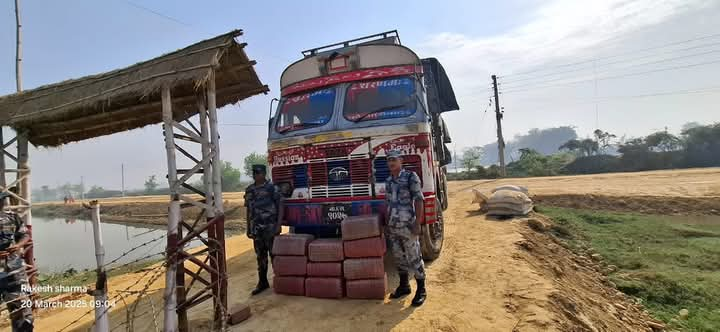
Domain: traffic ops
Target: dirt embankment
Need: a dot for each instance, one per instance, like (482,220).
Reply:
(146,210)
(585,300)
(637,204)
(674,192)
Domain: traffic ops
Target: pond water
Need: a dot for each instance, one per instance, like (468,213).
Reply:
(61,244)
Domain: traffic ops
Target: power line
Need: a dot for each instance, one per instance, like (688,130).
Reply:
(617,55)
(617,76)
(157,13)
(540,76)
(621,97)
(621,68)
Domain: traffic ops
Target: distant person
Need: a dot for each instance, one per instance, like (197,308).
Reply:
(14,283)
(65,199)
(405,213)
(263,202)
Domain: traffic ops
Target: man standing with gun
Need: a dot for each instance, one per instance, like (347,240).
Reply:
(264,212)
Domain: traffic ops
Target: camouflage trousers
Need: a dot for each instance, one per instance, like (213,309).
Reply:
(17,300)
(263,244)
(405,248)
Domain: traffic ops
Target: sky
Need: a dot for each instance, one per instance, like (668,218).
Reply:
(630,67)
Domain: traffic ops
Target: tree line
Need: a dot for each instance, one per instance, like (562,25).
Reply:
(232,180)
(696,146)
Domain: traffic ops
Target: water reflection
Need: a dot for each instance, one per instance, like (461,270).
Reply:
(64,243)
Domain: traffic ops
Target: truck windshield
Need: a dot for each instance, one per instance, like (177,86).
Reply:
(306,110)
(381,99)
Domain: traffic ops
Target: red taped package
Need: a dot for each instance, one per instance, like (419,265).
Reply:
(289,285)
(370,247)
(328,288)
(326,250)
(367,288)
(291,244)
(363,268)
(290,265)
(324,269)
(360,227)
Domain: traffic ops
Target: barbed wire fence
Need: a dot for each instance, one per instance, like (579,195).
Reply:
(133,299)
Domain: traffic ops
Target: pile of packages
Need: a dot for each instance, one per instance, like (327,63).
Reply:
(364,250)
(509,200)
(333,268)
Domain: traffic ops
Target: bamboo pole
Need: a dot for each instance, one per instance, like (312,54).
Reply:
(217,230)
(101,309)
(18,47)
(170,323)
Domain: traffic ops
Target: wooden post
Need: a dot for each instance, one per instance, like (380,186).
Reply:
(215,144)
(206,149)
(23,165)
(101,309)
(498,120)
(3,182)
(18,47)
(217,230)
(170,315)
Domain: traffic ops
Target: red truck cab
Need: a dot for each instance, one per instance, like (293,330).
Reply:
(343,107)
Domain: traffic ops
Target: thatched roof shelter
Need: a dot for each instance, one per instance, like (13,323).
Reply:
(129,98)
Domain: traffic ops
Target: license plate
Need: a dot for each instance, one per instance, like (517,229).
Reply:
(335,213)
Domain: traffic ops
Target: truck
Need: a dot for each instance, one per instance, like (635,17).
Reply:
(343,106)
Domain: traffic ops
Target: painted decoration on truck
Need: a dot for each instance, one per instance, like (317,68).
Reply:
(380,99)
(358,75)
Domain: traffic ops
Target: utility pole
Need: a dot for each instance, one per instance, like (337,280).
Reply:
(455,160)
(498,119)
(82,188)
(122,176)
(18,48)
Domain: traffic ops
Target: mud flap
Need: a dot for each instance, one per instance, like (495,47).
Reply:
(431,238)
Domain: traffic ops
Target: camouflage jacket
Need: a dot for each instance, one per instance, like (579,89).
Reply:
(262,202)
(12,230)
(400,196)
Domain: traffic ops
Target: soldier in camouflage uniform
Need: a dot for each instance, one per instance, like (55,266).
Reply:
(14,286)
(263,201)
(405,212)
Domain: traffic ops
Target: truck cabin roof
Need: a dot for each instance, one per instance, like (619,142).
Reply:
(353,60)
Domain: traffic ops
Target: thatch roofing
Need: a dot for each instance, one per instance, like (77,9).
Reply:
(129,98)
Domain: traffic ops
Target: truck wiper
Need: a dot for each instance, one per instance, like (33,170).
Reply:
(382,109)
(299,126)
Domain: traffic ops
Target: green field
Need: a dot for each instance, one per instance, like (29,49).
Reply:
(671,263)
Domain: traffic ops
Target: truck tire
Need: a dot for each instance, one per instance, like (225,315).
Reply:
(431,238)
(443,181)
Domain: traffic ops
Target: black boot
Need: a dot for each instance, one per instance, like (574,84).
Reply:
(420,293)
(402,289)
(263,283)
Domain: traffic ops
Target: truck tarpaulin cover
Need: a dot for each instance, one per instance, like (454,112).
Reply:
(442,98)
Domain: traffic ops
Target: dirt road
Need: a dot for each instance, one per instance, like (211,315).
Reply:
(492,276)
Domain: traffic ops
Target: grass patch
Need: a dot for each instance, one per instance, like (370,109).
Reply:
(671,263)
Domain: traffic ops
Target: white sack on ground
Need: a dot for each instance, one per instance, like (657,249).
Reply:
(509,203)
(512,187)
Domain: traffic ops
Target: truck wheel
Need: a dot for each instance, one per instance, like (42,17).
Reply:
(431,239)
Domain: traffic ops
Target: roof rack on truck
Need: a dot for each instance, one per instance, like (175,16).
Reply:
(387,37)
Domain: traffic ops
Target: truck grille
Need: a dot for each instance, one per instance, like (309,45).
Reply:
(295,174)
(352,190)
(410,163)
(346,177)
